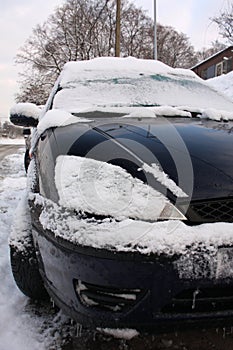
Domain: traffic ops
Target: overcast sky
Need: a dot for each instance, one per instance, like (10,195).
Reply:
(18,17)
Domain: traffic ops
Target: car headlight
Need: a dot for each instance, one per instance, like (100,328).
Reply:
(100,188)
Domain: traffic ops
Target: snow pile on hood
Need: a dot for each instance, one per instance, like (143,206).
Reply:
(58,118)
(104,189)
(218,115)
(168,237)
(223,84)
(152,112)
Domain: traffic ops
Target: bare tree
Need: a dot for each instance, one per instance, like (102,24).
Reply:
(205,53)
(174,48)
(76,31)
(225,23)
(84,29)
(136,33)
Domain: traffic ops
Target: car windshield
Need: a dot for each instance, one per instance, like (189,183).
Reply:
(98,86)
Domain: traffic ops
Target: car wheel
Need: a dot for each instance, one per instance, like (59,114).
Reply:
(26,273)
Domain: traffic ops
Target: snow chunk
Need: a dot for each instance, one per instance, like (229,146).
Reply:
(217,115)
(29,110)
(164,179)
(104,189)
(120,333)
(58,118)
(153,112)
(141,113)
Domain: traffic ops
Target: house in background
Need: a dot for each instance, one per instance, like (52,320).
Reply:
(218,64)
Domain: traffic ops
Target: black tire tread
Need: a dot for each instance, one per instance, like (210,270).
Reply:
(26,274)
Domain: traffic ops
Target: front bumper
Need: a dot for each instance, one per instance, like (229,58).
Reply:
(101,288)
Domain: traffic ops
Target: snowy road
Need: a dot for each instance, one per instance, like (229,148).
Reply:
(6,150)
(29,326)
(23,325)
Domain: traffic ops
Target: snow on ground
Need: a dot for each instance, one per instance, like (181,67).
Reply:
(23,326)
(8,141)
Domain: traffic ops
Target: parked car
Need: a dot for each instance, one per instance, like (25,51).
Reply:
(130,198)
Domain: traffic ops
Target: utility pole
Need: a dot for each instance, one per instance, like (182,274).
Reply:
(118,28)
(155,31)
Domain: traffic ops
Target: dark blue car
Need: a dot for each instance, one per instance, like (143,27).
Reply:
(130,196)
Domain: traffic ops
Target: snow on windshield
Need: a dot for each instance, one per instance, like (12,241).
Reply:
(129,82)
(132,88)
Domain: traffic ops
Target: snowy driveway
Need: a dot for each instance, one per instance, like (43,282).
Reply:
(6,150)
(23,325)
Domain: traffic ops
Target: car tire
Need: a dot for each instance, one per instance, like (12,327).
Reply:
(26,273)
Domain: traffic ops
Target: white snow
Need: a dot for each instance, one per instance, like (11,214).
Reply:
(223,84)
(135,87)
(9,141)
(120,333)
(22,325)
(56,117)
(21,228)
(117,82)
(166,237)
(163,178)
(104,189)
(16,330)
(152,112)
(218,115)
(26,109)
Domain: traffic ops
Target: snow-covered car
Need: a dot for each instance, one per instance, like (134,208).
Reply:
(127,220)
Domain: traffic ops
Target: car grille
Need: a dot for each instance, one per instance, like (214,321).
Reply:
(107,298)
(213,211)
(201,300)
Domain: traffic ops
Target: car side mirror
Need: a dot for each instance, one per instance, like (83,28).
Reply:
(25,114)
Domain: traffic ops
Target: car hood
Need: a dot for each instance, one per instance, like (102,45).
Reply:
(196,155)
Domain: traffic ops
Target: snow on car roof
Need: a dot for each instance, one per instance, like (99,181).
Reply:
(130,87)
(109,82)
